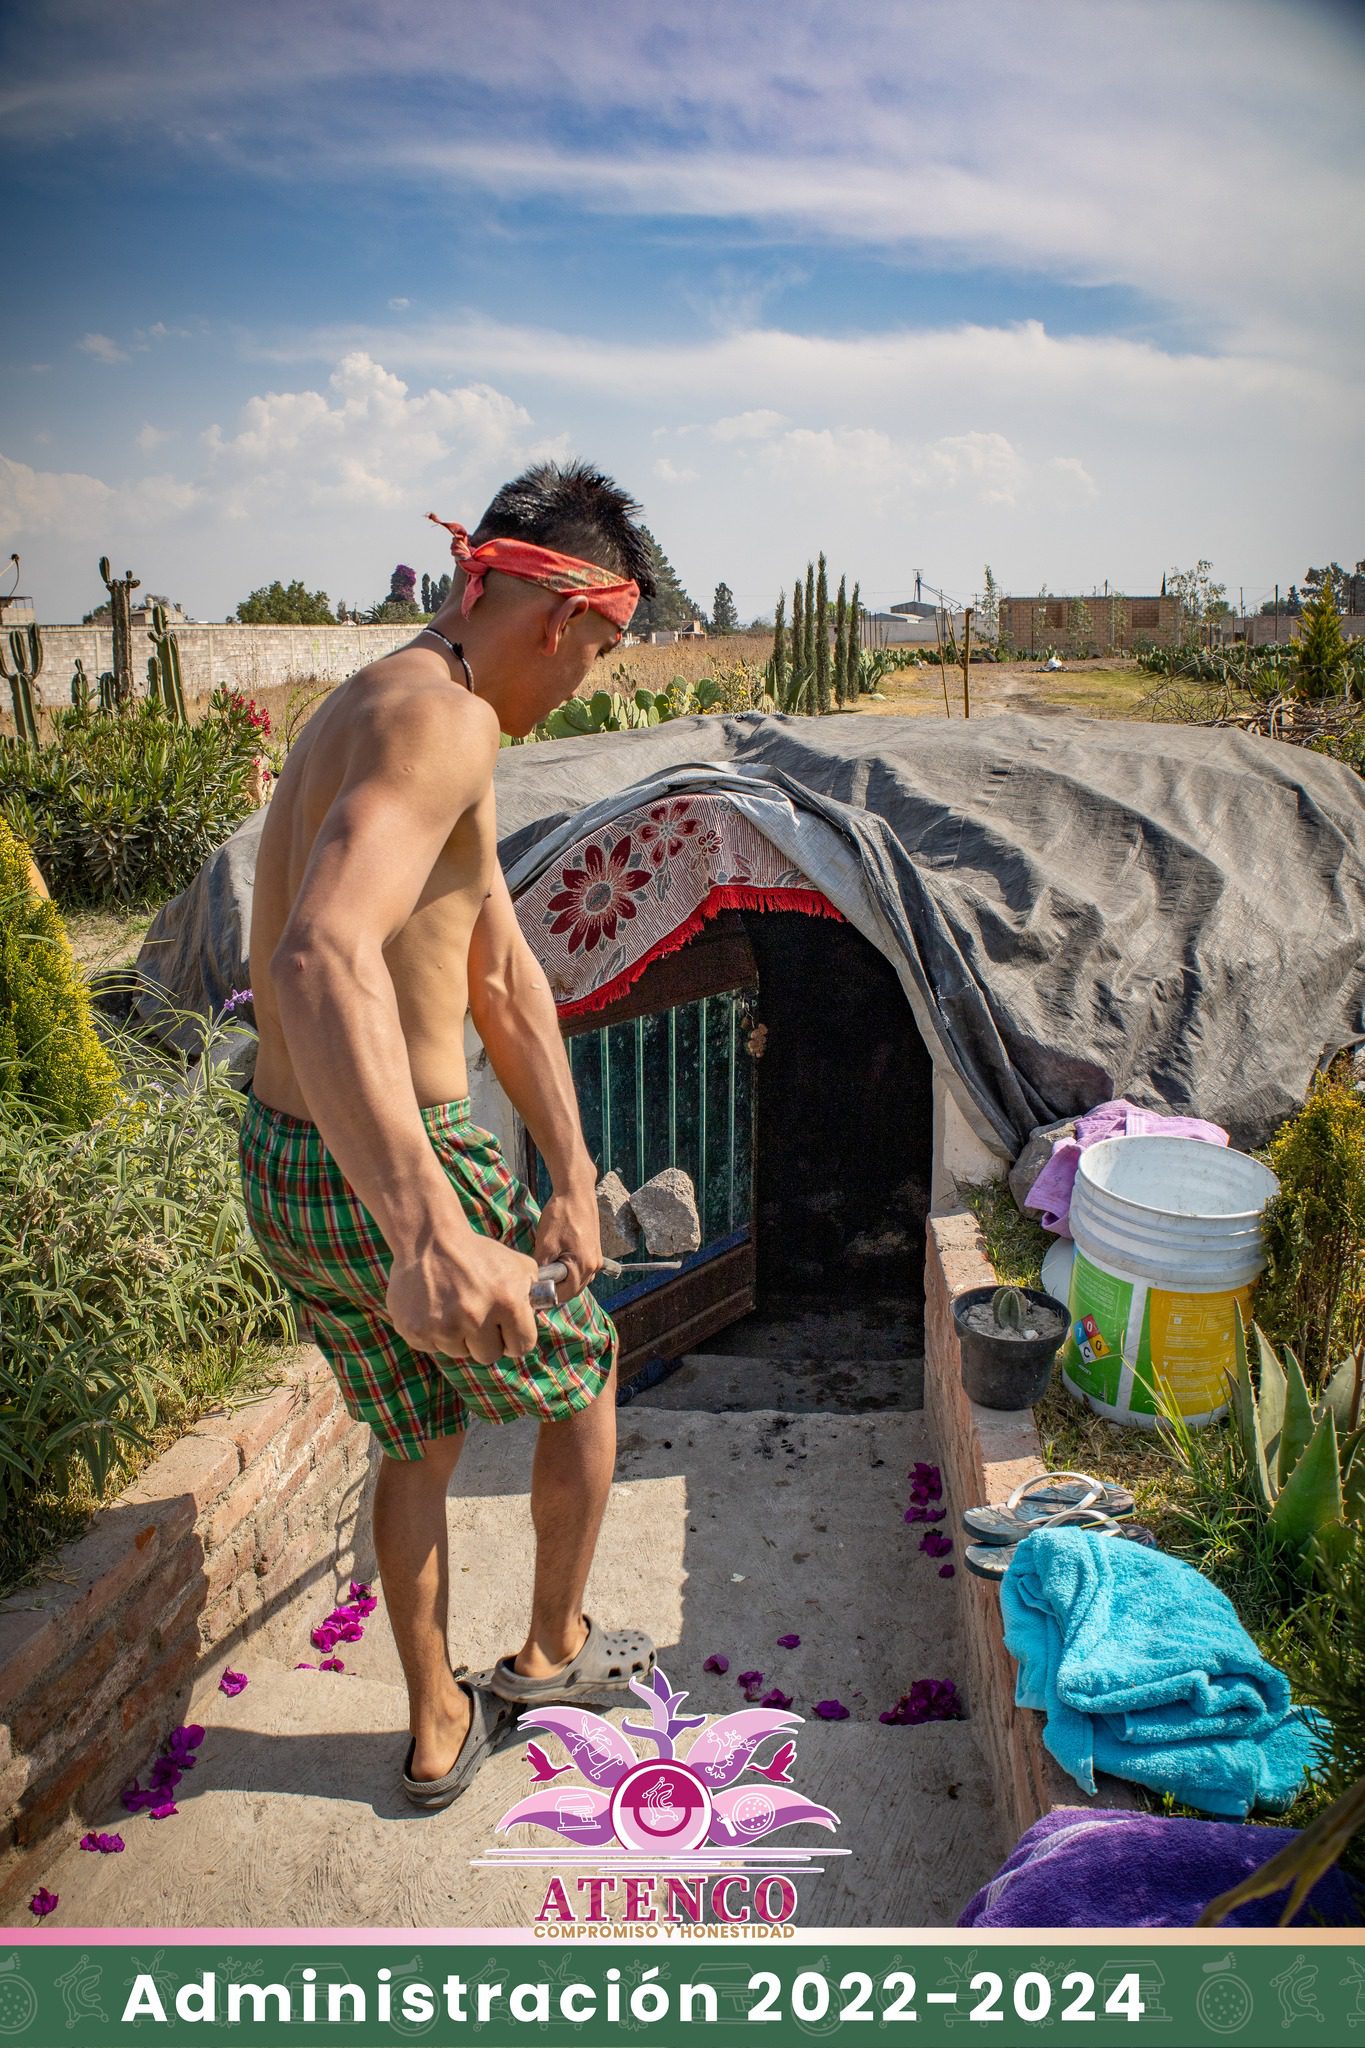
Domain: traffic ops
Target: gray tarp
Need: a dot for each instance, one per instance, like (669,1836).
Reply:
(1076,908)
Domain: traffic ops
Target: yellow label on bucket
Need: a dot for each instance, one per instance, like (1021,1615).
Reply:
(1192,1341)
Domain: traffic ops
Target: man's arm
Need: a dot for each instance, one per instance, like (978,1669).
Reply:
(409,780)
(514,1015)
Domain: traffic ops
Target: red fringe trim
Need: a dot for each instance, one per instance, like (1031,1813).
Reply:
(725,896)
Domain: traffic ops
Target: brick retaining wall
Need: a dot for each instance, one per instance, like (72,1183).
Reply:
(254,1513)
(984,1453)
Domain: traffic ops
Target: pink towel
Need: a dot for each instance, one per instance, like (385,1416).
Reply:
(1051,1192)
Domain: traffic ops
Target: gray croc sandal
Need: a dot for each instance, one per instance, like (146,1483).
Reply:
(607,1662)
(488,1718)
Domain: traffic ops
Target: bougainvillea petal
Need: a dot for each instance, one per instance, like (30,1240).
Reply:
(789,1642)
(830,1710)
(233,1682)
(89,1842)
(166,1811)
(110,1845)
(946,1571)
(43,1902)
(776,1698)
(749,1678)
(331,1664)
(717,1664)
(188,1737)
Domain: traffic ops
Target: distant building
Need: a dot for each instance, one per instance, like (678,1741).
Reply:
(17,611)
(141,614)
(1089,625)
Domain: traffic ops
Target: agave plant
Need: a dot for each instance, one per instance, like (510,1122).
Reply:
(1306,1458)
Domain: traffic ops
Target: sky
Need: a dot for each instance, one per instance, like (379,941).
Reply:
(1075,290)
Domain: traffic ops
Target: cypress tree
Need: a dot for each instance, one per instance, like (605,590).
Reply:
(779,663)
(808,645)
(798,646)
(855,645)
(841,640)
(822,638)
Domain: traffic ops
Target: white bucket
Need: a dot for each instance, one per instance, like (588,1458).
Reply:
(1168,1245)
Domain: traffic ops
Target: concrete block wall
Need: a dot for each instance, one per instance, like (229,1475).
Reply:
(245,1530)
(245,658)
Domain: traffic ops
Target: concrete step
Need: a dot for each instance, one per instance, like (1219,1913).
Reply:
(294,1818)
(726,1383)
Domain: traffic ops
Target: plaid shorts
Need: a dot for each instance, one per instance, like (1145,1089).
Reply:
(327,1251)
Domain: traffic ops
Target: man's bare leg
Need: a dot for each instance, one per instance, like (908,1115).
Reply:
(412,1546)
(570,1481)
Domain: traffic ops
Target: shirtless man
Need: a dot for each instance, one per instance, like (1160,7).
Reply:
(380,916)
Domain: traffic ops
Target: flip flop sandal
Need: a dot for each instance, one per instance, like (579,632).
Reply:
(488,1717)
(992,1560)
(1039,1502)
(607,1662)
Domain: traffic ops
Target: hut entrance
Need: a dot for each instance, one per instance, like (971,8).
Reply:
(775,1059)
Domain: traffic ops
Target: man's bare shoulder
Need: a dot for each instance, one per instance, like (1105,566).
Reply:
(407,705)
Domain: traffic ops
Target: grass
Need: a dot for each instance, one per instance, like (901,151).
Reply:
(104,939)
(1094,690)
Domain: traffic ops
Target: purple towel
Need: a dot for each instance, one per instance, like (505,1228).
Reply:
(1051,1191)
(1077,1868)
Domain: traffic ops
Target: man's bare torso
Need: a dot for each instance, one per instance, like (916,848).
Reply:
(428,959)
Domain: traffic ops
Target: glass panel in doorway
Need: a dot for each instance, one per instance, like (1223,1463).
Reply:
(674,1088)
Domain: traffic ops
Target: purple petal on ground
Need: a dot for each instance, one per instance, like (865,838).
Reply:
(110,1845)
(233,1682)
(165,1812)
(188,1737)
(947,1571)
(789,1642)
(348,1631)
(935,1544)
(749,1678)
(324,1636)
(43,1902)
(361,1592)
(89,1842)
(134,1797)
(305,1667)
(830,1710)
(775,1698)
(165,1775)
(751,1694)
(718,1664)
(331,1664)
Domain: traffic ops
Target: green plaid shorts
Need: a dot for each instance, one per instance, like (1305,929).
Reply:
(327,1251)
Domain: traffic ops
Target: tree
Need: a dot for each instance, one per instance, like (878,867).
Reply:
(989,609)
(1320,645)
(427,606)
(808,623)
(779,663)
(670,608)
(276,604)
(724,617)
(1196,591)
(822,636)
(800,673)
(852,681)
(1338,581)
(1289,605)
(840,641)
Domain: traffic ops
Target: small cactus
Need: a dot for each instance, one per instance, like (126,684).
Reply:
(1009,1305)
(82,689)
(21,672)
(163,668)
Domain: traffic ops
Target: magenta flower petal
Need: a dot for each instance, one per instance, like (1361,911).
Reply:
(749,1678)
(233,1682)
(135,1797)
(165,1811)
(188,1737)
(718,1664)
(776,1699)
(947,1571)
(324,1636)
(109,1845)
(331,1664)
(359,1592)
(751,1694)
(89,1842)
(43,1902)
(935,1544)
(789,1642)
(305,1667)
(830,1710)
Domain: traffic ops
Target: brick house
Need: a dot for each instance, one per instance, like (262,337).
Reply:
(1089,625)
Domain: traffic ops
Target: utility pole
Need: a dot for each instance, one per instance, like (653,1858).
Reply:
(1277,614)
(966,662)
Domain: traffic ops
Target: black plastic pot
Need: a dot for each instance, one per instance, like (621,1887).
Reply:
(1000,1371)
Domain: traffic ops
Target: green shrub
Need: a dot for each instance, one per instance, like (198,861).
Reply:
(1312,1294)
(50,1056)
(124,1260)
(126,808)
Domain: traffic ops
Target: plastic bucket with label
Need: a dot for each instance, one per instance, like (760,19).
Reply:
(1168,1245)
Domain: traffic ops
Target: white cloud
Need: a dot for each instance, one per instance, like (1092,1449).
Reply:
(150,437)
(755,425)
(399,305)
(670,473)
(103,348)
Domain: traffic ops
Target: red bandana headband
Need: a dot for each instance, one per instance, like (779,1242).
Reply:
(605,592)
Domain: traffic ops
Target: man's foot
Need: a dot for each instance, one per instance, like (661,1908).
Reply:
(529,1661)
(436,1750)
(487,1717)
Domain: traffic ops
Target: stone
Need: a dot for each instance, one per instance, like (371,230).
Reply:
(1035,1156)
(666,1211)
(620,1232)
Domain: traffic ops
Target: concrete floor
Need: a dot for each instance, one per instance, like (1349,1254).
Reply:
(734,1520)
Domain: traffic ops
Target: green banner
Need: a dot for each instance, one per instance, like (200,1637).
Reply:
(677,1990)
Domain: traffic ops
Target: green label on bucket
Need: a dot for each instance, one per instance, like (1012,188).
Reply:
(1100,1303)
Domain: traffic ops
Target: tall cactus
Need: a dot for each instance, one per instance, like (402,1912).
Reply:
(120,591)
(163,668)
(21,672)
(82,690)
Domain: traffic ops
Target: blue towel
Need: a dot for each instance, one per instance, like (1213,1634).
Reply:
(1100,1868)
(1144,1670)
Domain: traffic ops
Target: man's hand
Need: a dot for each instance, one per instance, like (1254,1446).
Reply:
(570,1230)
(464,1295)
